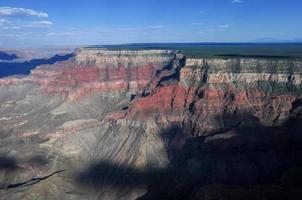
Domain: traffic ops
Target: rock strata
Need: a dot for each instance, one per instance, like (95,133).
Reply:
(114,122)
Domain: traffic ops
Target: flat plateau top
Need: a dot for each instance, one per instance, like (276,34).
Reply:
(223,50)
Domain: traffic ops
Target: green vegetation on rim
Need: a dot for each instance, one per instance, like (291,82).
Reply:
(223,50)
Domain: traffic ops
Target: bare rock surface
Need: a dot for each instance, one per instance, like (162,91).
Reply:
(119,124)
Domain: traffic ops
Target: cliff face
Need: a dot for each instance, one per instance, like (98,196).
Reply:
(206,93)
(106,124)
(51,120)
(109,72)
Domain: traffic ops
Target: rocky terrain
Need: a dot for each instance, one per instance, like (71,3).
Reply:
(152,124)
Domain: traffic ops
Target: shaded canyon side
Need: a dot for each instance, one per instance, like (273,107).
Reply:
(151,124)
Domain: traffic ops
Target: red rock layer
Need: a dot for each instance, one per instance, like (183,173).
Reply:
(208,109)
(77,81)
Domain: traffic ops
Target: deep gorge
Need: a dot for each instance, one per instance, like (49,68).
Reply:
(153,124)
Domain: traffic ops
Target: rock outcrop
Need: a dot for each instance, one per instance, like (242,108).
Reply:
(103,71)
(108,124)
(207,93)
(56,114)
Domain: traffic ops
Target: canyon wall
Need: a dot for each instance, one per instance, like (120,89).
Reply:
(205,93)
(104,124)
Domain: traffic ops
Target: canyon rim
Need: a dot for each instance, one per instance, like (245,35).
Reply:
(107,124)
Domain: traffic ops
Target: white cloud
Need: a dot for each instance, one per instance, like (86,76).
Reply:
(198,23)
(38,24)
(154,27)
(9,35)
(207,30)
(42,22)
(7,25)
(11,11)
(62,34)
(215,29)
(237,1)
(4,21)
(139,29)
(11,27)
(223,26)
(132,30)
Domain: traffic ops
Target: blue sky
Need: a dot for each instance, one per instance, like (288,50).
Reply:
(30,23)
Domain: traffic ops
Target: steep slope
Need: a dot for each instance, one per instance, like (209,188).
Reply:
(50,120)
(217,118)
(204,94)
(108,124)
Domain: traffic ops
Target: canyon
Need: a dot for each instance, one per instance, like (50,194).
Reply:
(152,124)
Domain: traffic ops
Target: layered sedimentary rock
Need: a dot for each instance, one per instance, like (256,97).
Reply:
(98,70)
(106,124)
(51,120)
(208,92)
(240,114)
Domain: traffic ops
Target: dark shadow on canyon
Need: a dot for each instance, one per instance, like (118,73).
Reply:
(6,56)
(10,166)
(31,181)
(24,68)
(245,161)
(38,161)
(8,163)
(11,163)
